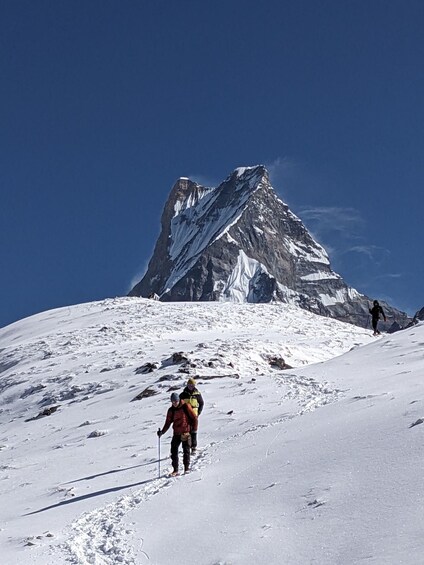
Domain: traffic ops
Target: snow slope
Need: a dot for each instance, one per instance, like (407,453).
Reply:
(320,463)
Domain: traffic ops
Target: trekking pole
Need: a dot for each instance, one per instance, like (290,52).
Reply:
(159,453)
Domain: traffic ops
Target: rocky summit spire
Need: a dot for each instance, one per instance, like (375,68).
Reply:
(239,242)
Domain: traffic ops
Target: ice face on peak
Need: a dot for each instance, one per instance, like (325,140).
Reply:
(240,242)
(257,170)
(250,177)
(241,284)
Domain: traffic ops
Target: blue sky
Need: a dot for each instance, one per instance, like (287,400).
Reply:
(103,105)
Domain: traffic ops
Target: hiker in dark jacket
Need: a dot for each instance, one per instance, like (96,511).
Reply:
(193,397)
(183,420)
(375,312)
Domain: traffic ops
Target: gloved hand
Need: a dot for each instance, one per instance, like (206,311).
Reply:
(159,433)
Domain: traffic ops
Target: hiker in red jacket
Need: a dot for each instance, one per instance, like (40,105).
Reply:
(183,420)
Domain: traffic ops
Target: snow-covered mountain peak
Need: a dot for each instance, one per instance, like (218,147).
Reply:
(240,242)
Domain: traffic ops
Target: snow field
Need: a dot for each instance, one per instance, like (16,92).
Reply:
(318,463)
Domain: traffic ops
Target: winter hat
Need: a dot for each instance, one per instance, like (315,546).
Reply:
(175,397)
(191,381)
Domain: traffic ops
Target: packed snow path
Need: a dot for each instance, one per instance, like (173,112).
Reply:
(100,537)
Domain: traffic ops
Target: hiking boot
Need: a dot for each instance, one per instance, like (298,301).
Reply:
(193,449)
(186,470)
(174,473)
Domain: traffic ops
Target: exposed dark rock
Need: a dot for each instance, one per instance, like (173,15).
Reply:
(395,327)
(316,503)
(145,394)
(146,368)
(419,315)
(97,433)
(279,363)
(168,378)
(43,413)
(211,377)
(417,422)
(32,390)
(179,357)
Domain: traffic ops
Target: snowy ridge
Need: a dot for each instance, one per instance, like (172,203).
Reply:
(320,276)
(289,458)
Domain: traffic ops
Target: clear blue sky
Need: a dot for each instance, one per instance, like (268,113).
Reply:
(104,104)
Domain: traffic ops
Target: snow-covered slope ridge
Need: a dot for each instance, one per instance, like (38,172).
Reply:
(317,463)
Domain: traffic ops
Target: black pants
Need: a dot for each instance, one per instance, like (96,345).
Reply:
(193,440)
(374,324)
(175,444)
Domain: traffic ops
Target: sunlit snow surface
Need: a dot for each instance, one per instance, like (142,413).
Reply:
(316,464)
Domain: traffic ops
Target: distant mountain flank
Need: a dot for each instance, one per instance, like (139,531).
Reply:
(240,242)
(418,317)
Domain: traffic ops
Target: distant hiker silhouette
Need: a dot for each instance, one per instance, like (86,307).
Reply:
(375,312)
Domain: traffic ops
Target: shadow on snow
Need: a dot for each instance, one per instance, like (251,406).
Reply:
(92,495)
(90,477)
